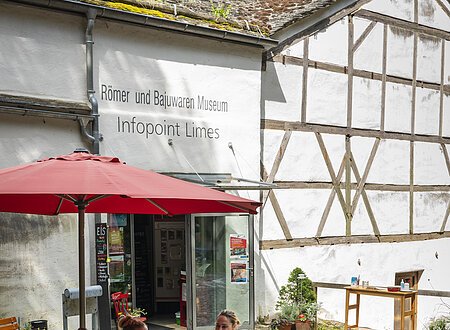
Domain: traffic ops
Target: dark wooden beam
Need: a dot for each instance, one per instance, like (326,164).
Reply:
(403,24)
(339,130)
(359,73)
(355,239)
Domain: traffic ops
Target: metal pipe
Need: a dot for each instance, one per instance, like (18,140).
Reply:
(91,14)
(81,268)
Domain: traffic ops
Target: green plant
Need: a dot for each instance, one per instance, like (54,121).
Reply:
(298,290)
(289,312)
(439,323)
(309,311)
(27,326)
(220,10)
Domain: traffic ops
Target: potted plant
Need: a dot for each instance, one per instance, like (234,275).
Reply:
(307,315)
(297,301)
(285,319)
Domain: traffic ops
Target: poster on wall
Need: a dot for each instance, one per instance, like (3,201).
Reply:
(115,240)
(238,245)
(238,271)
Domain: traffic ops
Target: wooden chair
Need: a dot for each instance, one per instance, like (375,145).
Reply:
(9,323)
(120,302)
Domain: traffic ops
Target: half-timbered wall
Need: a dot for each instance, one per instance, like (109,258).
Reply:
(356,136)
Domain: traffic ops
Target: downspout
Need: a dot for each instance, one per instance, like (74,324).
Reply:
(95,138)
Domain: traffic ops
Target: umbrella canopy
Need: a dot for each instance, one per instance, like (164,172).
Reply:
(81,182)
(106,185)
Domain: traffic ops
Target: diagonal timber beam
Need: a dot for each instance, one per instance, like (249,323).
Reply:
(362,183)
(336,184)
(444,8)
(365,199)
(364,35)
(327,209)
(277,209)
(279,156)
(447,159)
(444,223)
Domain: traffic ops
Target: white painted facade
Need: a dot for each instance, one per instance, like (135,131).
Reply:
(44,56)
(326,104)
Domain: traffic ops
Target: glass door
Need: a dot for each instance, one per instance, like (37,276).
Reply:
(221,268)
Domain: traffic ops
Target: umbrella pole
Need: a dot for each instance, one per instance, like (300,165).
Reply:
(81,265)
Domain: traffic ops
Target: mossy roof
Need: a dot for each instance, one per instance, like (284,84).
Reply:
(255,17)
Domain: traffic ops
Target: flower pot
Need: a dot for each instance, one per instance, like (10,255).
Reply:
(286,326)
(299,325)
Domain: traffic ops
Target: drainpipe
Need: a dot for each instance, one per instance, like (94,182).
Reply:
(104,312)
(95,138)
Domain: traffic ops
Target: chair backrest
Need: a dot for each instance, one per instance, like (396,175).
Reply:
(9,323)
(120,302)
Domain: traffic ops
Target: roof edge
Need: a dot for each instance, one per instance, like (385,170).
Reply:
(316,22)
(152,22)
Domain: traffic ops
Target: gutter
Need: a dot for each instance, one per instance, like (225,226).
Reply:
(153,22)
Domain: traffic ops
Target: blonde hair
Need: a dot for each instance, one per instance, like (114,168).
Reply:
(231,316)
(131,323)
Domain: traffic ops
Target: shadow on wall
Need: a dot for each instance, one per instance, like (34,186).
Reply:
(38,261)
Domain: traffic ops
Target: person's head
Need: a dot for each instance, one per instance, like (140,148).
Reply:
(227,320)
(131,323)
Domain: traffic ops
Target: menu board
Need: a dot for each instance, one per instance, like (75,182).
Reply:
(101,247)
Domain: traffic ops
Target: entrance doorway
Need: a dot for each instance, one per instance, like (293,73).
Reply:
(159,260)
(213,253)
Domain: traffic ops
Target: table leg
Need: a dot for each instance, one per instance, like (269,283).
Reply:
(347,301)
(358,299)
(402,313)
(414,312)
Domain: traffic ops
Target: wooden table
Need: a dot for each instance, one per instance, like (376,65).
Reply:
(382,292)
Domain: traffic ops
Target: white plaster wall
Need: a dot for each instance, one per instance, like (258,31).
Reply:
(366,106)
(398,108)
(42,53)
(399,52)
(427,111)
(369,55)
(326,45)
(431,14)
(283,92)
(39,256)
(429,164)
(302,161)
(181,67)
(327,98)
(391,163)
(429,59)
(379,262)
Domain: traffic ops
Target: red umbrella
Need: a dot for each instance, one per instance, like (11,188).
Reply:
(81,182)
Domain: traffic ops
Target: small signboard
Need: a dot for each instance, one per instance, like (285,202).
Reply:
(101,250)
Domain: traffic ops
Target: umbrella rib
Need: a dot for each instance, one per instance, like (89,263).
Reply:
(156,205)
(95,198)
(58,208)
(67,197)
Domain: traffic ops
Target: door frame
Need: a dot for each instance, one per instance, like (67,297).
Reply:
(190,253)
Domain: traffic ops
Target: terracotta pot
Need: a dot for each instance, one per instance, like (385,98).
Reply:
(285,327)
(303,325)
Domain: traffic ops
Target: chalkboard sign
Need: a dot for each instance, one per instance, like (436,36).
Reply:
(101,250)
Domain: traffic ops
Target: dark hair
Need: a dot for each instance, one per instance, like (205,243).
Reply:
(231,316)
(131,323)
